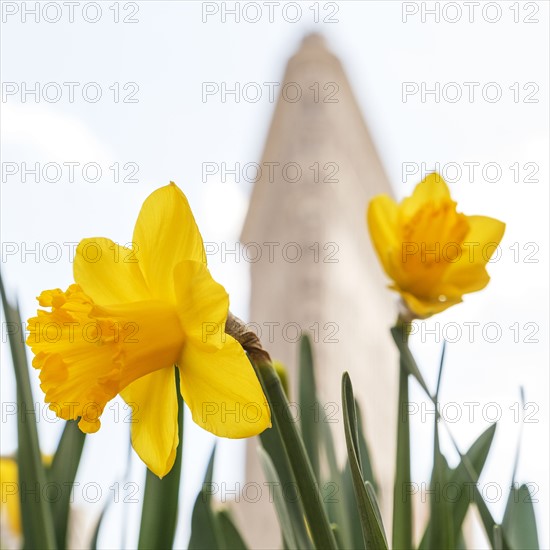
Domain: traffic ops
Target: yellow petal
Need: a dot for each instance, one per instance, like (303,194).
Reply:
(154,428)
(11,497)
(166,234)
(484,235)
(424,308)
(382,218)
(431,189)
(88,353)
(222,391)
(203,304)
(108,273)
(468,273)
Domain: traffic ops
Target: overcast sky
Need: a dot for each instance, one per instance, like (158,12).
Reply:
(148,64)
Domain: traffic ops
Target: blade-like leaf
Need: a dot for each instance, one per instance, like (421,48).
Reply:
(408,363)
(309,405)
(519,525)
(160,500)
(36,513)
(317,519)
(353,523)
(441,526)
(231,538)
(458,477)
(374,503)
(62,473)
(373,531)
(275,448)
(337,506)
(205,534)
(95,536)
(279,501)
(366,462)
(497,538)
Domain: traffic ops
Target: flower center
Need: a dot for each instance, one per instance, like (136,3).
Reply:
(432,240)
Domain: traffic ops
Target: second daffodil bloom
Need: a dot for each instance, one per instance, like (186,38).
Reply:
(134,313)
(433,253)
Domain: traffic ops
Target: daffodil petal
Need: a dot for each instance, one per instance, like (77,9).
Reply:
(154,403)
(468,273)
(382,218)
(431,188)
(203,304)
(425,308)
(483,237)
(166,234)
(464,278)
(108,273)
(222,391)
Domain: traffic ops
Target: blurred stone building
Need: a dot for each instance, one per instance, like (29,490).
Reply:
(319,170)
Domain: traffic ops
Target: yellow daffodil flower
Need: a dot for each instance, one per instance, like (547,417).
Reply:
(10,494)
(10,502)
(132,315)
(433,253)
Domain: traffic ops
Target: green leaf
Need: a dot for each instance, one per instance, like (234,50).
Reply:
(460,478)
(337,506)
(36,514)
(497,538)
(231,538)
(373,531)
(327,447)
(374,503)
(364,452)
(291,441)
(409,365)
(160,500)
(62,473)
(519,525)
(283,513)
(275,448)
(353,527)
(441,524)
(309,405)
(205,533)
(95,536)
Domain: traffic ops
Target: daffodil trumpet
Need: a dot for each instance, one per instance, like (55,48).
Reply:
(131,315)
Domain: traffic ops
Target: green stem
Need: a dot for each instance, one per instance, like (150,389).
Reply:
(317,519)
(402,505)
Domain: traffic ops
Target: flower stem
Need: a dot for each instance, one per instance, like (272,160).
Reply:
(290,438)
(402,505)
(317,519)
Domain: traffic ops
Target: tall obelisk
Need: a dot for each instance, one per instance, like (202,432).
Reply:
(319,170)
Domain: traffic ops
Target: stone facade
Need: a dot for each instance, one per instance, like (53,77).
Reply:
(336,291)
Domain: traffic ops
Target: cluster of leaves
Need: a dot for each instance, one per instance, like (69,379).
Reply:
(301,456)
(354,517)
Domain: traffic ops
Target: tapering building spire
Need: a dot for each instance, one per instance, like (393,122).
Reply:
(318,272)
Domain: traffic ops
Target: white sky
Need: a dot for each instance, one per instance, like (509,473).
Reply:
(169,132)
